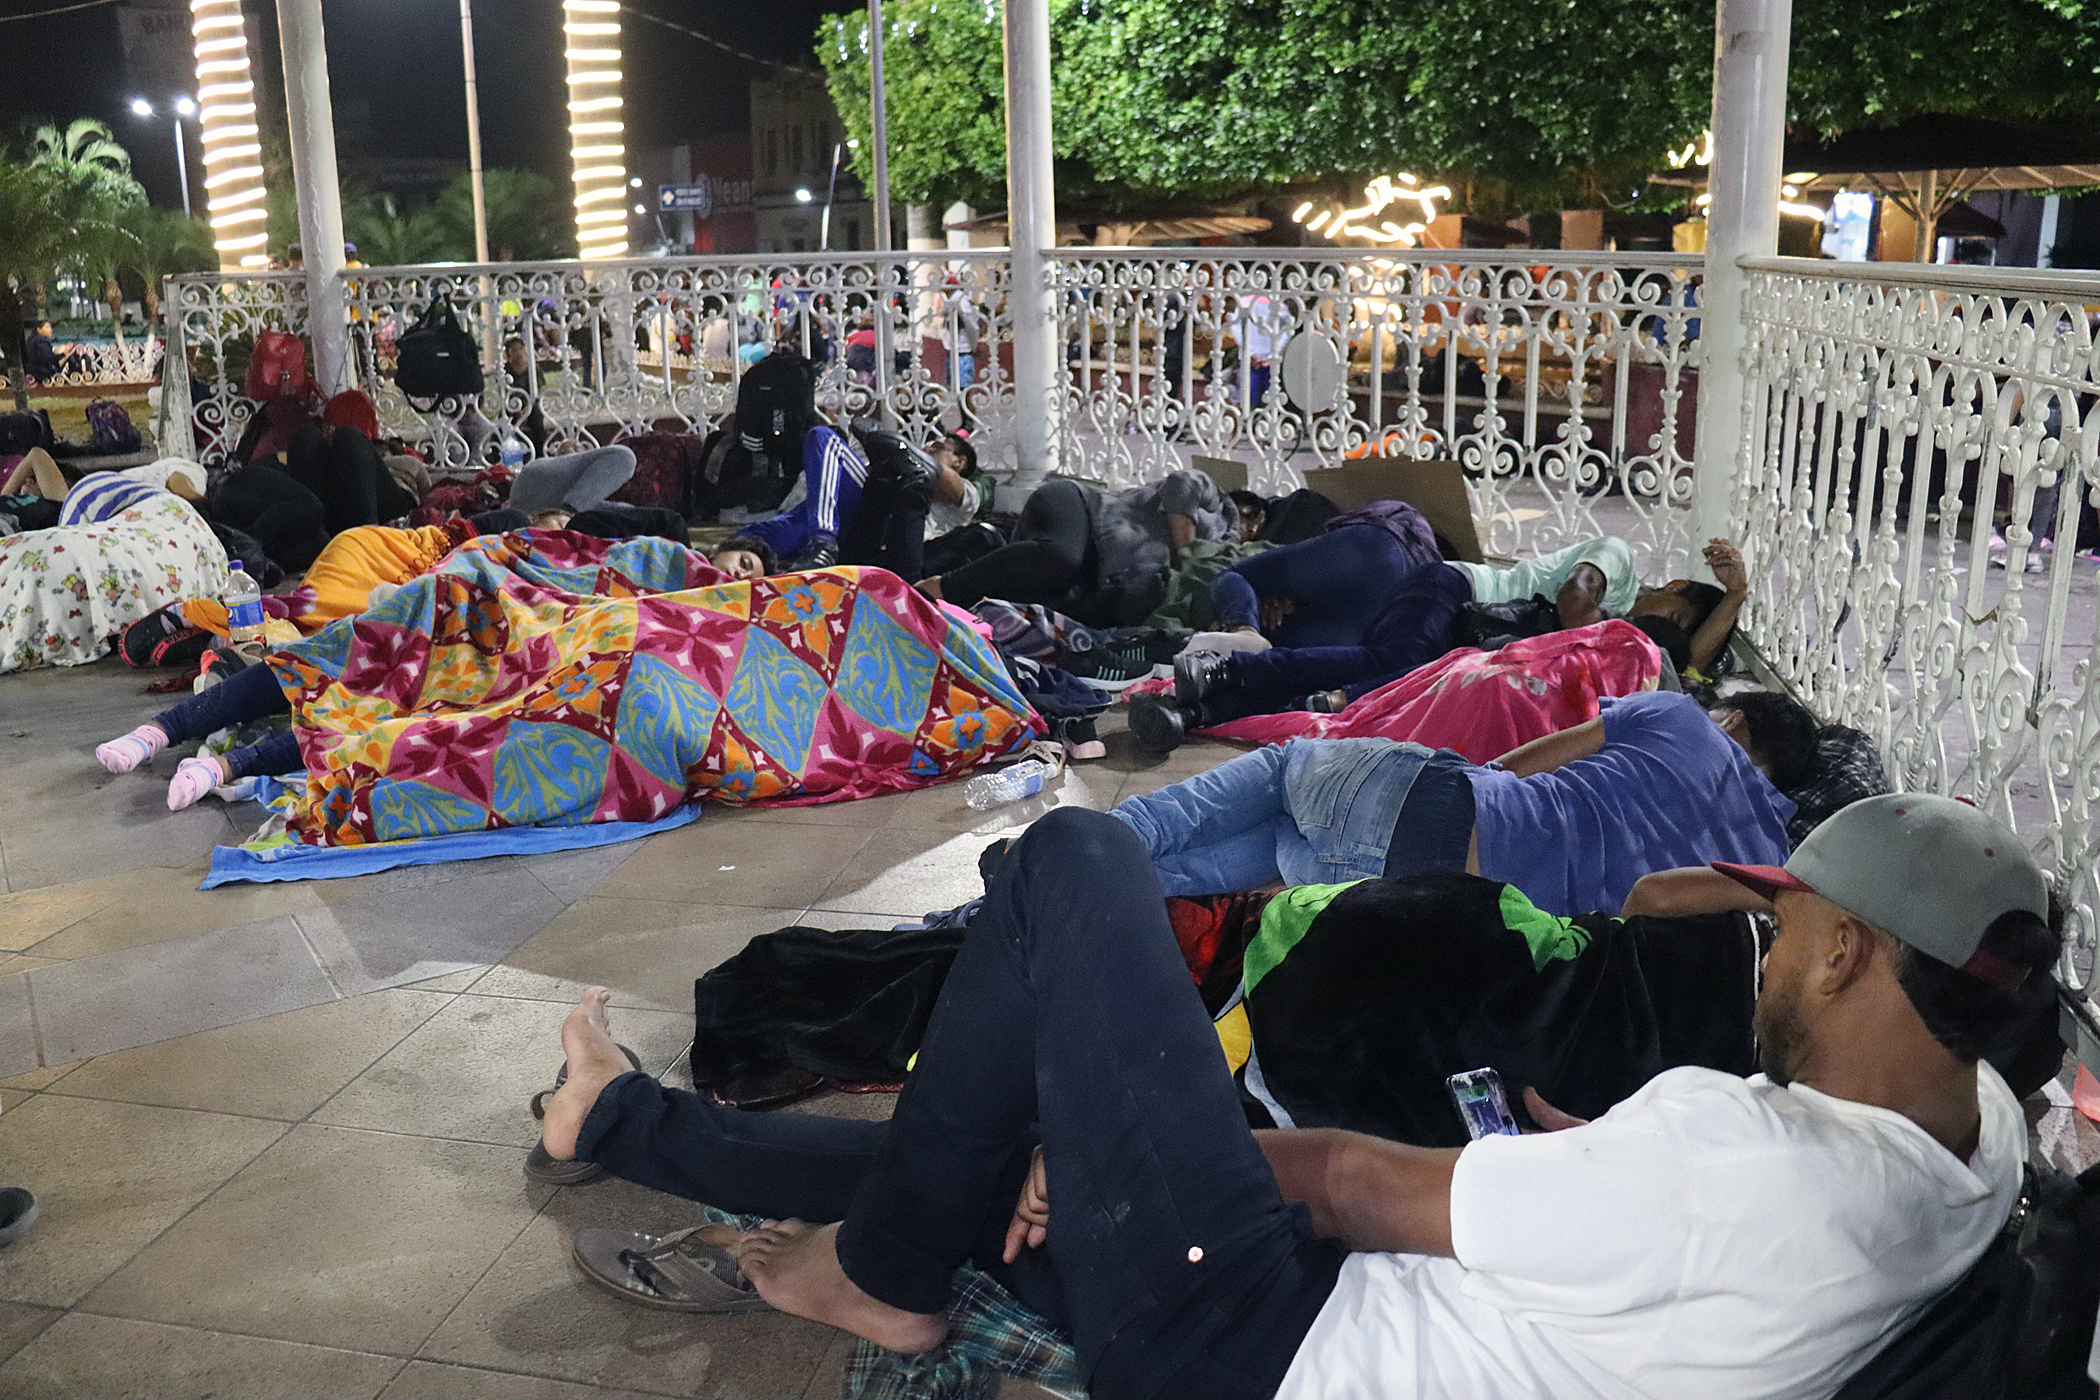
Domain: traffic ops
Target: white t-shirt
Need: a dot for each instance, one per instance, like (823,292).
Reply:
(1711,1236)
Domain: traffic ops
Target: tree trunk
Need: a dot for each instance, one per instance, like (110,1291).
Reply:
(11,343)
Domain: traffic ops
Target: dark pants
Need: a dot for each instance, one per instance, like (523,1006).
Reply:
(1414,630)
(248,694)
(1341,581)
(346,473)
(1068,1015)
(963,545)
(1047,559)
(286,519)
(888,528)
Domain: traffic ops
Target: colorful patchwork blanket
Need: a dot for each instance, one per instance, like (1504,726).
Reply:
(548,678)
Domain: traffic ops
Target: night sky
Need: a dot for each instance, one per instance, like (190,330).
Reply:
(394,73)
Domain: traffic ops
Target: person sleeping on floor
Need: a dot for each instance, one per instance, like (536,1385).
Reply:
(1071,1128)
(1326,621)
(1572,819)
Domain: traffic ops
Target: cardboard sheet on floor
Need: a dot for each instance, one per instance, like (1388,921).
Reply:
(276,857)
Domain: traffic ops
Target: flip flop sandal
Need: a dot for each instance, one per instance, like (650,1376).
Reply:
(690,1271)
(770,1088)
(18,1211)
(561,1077)
(542,1165)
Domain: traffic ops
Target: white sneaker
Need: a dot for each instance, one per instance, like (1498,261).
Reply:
(1227,641)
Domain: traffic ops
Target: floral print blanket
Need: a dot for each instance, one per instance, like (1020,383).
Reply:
(548,678)
(65,591)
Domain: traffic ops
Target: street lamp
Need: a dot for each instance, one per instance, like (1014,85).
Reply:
(182,107)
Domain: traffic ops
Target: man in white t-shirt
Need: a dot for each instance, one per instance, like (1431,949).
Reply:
(1710,1236)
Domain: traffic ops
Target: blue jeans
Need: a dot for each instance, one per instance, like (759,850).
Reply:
(1069,1016)
(248,694)
(1341,581)
(1413,630)
(1310,812)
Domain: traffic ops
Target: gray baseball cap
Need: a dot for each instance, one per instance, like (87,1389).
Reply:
(1929,870)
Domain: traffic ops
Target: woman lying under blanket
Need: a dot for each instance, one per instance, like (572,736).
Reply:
(123,546)
(547,678)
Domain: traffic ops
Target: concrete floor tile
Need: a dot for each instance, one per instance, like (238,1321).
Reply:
(451,981)
(18,1046)
(34,915)
(752,865)
(469,1071)
(570,875)
(410,925)
(535,1311)
(333,1237)
(647,951)
(23,962)
(282,1066)
(20,1323)
(109,1178)
(84,1355)
(137,996)
(156,905)
(106,839)
(42,1078)
(908,873)
(429,1380)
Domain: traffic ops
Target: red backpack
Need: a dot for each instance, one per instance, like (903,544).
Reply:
(277,369)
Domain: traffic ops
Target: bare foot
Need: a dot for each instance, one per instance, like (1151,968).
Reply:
(795,1267)
(594,1062)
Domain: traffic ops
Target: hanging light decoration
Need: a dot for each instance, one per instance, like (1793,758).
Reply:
(597,143)
(233,173)
(1382,192)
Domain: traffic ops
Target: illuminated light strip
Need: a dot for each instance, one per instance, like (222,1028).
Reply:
(597,152)
(1381,192)
(233,178)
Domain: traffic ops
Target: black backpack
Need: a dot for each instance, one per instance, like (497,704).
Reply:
(24,429)
(775,402)
(436,357)
(2019,1324)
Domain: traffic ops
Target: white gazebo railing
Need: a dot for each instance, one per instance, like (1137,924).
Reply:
(92,364)
(1890,414)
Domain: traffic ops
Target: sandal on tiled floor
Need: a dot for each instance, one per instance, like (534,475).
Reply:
(542,1165)
(692,1271)
(18,1211)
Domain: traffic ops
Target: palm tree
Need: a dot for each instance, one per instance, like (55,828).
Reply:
(32,234)
(387,240)
(87,158)
(528,218)
(166,242)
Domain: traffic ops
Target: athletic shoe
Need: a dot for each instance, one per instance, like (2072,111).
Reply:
(1197,674)
(821,552)
(1158,725)
(1107,668)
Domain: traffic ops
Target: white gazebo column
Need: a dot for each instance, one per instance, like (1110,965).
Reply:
(1031,217)
(311,117)
(1742,220)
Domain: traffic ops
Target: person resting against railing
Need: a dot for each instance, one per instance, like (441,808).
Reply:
(122,547)
(858,507)
(1102,557)
(1071,1128)
(1572,819)
(549,678)
(1409,617)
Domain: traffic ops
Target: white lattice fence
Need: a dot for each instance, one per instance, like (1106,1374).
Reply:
(1890,421)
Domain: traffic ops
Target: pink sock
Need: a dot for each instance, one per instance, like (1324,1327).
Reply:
(194,778)
(128,751)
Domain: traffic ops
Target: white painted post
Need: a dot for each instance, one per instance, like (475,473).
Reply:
(878,116)
(1749,124)
(311,117)
(1031,219)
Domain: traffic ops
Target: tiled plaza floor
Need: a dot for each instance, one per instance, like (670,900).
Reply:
(276,1130)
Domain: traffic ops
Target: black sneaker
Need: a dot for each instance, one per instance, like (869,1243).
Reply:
(1198,673)
(1107,668)
(821,552)
(1159,725)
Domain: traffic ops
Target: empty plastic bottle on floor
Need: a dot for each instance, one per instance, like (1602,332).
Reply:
(989,790)
(244,614)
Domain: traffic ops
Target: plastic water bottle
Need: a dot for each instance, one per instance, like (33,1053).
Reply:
(989,790)
(513,454)
(244,614)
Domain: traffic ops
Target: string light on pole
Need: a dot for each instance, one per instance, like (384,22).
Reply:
(1381,193)
(233,173)
(597,143)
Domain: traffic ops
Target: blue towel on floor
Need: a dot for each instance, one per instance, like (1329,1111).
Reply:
(279,857)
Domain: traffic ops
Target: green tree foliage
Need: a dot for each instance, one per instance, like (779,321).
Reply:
(1521,103)
(32,236)
(529,219)
(88,161)
(165,242)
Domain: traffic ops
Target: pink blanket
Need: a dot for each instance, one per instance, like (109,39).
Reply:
(1484,703)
